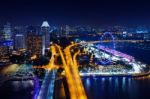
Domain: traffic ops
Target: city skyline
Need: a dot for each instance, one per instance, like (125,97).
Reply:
(74,49)
(96,13)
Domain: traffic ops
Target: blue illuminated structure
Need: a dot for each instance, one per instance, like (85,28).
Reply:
(6,43)
(36,87)
(47,88)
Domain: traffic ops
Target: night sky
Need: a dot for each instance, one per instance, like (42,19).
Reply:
(76,12)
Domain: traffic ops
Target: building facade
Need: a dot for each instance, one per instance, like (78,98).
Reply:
(34,44)
(19,41)
(45,31)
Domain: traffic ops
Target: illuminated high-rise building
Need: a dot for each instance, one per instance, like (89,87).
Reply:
(45,30)
(2,35)
(7,36)
(67,30)
(7,32)
(19,41)
(34,44)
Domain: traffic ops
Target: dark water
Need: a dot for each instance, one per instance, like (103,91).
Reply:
(140,52)
(117,88)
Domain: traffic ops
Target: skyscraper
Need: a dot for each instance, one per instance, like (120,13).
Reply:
(34,41)
(34,44)
(8,41)
(7,32)
(67,30)
(2,34)
(19,41)
(19,32)
(45,28)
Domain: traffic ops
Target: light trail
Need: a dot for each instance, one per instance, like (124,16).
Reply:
(105,41)
(72,64)
(69,79)
(51,85)
(82,94)
(74,82)
(51,64)
(47,88)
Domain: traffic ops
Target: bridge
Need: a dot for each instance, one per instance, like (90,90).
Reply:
(72,74)
(76,89)
(47,88)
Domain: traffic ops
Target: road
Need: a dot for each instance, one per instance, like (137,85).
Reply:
(47,88)
(72,64)
(74,82)
(75,85)
(68,75)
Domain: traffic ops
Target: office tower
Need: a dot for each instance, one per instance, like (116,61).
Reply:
(67,30)
(19,41)
(19,32)
(2,35)
(7,32)
(34,44)
(45,28)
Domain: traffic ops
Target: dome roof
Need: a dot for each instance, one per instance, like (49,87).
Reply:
(45,24)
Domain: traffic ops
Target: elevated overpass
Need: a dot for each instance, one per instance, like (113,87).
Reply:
(74,82)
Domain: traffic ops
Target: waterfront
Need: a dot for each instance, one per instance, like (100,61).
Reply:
(121,87)
(117,87)
(104,87)
(74,49)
